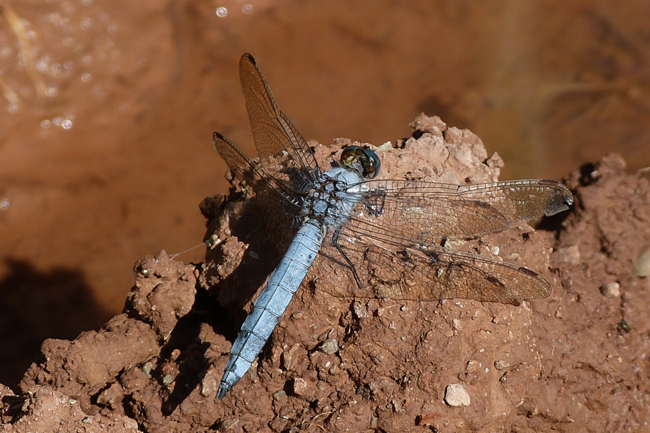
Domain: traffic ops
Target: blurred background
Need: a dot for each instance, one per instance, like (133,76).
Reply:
(108,108)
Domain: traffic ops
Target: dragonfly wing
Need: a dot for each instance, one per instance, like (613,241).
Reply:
(286,163)
(429,212)
(396,268)
(274,134)
(276,185)
(275,199)
(388,242)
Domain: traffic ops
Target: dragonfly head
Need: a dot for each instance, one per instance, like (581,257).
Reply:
(362,160)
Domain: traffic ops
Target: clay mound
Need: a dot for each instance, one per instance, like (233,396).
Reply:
(575,361)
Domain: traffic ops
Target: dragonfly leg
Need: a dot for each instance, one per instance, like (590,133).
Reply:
(335,238)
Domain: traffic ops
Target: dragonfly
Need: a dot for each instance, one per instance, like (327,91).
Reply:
(382,238)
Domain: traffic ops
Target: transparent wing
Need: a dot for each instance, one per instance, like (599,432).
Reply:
(274,134)
(429,212)
(286,165)
(274,199)
(388,243)
(277,186)
(393,268)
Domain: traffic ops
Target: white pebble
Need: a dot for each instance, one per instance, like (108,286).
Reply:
(456,395)
(610,290)
(642,266)
(329,347)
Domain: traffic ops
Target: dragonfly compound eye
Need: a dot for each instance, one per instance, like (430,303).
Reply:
(367,159)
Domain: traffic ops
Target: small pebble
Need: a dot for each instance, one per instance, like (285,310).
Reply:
(569,255)
(329,347)
(280,396)
(288,359)
(456,395)
(299,386)
(610,290)
(359,311)
(500,365)
(642,266)
(209,385)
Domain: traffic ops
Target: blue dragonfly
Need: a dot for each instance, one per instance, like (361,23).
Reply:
(384,237)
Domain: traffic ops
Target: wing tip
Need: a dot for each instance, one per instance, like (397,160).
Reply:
(217,138)
(247,57)
(559,200)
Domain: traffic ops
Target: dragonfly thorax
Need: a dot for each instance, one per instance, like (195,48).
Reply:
(329,199)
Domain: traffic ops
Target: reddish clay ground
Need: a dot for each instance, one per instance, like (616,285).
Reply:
(576,361)
(108,110)
(141,86)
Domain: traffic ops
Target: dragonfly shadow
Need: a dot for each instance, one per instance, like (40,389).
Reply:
(186,349)
(35,305)
(259,234)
